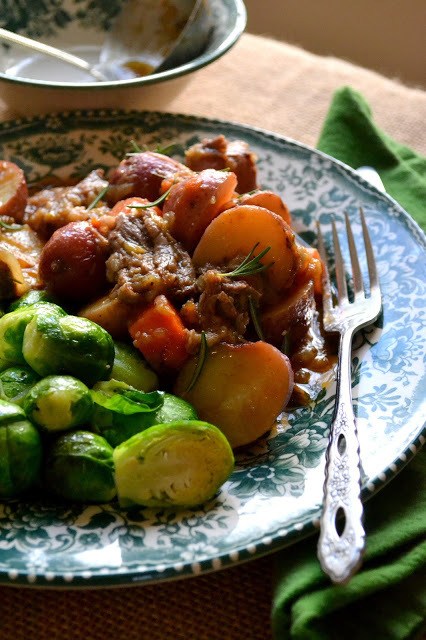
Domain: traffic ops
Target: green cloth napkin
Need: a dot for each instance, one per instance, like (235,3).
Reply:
(350,134)
(386,599)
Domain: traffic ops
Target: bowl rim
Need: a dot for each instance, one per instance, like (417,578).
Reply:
(200,61)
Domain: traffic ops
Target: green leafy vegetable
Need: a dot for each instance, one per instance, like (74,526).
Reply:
(202,355)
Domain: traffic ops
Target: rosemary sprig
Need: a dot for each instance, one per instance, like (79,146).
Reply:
(10,227)
(255,318)
(250,265)
(151,204)
(202,355)
(136,148)
(285,347)
(99,197)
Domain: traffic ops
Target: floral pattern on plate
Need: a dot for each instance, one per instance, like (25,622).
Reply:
(274,495)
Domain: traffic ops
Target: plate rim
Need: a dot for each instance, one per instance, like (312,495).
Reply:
(278,539)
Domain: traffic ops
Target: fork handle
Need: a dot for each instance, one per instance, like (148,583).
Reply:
(340,555)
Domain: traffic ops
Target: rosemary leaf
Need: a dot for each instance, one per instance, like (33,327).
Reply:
(255,318)
(136,148)
(151,204)
(250,265)
(285,347)
(10,227)
(202,354)
(99,197)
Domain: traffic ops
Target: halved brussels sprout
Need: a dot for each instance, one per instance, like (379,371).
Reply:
(76,346)
(16,382)
(130,367)
(79,467)
(12,328)
(20,451)
(181,464)
(120,411)
(59,403)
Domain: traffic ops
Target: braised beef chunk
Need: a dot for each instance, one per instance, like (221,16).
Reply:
(142,175)
(219,153)
(146,261)
(50,209)
(221,307)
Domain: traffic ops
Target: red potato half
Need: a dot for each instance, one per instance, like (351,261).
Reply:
(13,191)
(236,231)
(196,201)
(72,262)
(142,175)
(241,389)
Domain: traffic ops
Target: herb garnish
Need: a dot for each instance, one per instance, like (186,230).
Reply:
(151,204)
(10,227)
(255,318)
(249,265)
(202,354)
(99,197)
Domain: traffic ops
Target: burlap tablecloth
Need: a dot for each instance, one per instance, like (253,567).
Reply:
(279,87)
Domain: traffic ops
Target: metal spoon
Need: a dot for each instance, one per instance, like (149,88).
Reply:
(146,36)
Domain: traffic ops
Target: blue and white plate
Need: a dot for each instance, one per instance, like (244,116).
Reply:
(274,496)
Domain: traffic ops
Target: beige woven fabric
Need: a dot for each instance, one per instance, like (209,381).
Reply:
(278,87)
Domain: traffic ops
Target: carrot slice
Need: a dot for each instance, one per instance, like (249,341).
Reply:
(160,335)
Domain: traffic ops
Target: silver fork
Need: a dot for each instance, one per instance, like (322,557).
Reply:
(340,552)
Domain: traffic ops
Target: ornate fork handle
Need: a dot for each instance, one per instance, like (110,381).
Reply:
(340,554)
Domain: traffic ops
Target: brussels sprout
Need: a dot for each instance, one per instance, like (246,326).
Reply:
(20,451)
(59,403)
(182,463)
(31,297)
(76,346)
(121,411)
(16,382)
(130,367)
(80,467)
(12,328)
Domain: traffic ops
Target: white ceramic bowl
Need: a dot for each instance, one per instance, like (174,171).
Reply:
(30,85)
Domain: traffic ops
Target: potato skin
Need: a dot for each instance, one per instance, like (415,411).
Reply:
(72,262)
(142,175)
(196,201)
(13,191)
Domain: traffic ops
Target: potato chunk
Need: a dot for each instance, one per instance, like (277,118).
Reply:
(241,389)
(236,231)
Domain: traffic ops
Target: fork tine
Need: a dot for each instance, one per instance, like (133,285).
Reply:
(371,262)
(327,301)
(356,270)
(342,289)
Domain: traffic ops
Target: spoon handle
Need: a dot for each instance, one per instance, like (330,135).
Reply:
(69,58)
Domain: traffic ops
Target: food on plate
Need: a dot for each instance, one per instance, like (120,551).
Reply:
(58,403)
(79,467)
(13,191)
(130,368)
(120,411)
(75,253)
(16,382)
(67,344)
(241,387)
(12,330)
(162,315)
(181,463)
(20,451)
(220,153)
